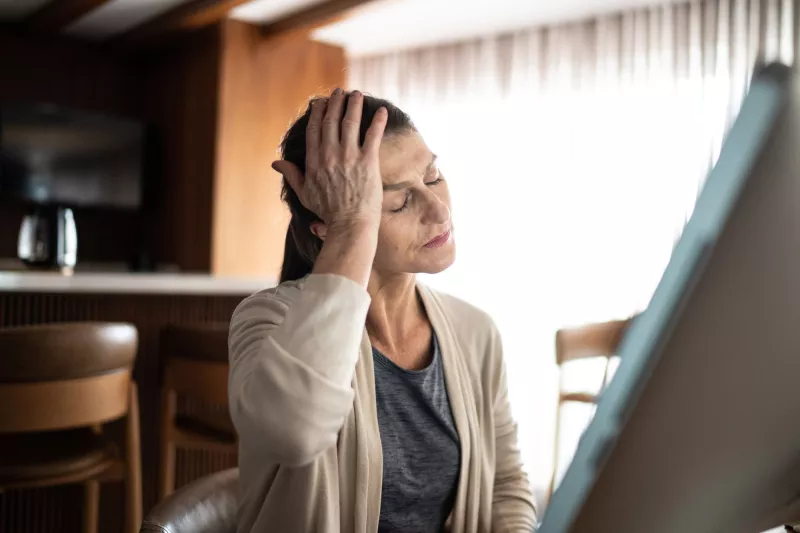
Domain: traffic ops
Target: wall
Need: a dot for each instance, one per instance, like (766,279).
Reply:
(181,99)
(71,74)
(219,101)
(264,83)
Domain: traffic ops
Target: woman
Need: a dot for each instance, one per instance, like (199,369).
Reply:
(364,401)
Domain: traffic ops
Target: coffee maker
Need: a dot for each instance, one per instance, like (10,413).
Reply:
(48,238)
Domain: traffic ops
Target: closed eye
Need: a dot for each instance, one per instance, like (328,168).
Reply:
(404,206)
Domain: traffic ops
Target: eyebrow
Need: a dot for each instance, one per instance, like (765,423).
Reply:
(405,184)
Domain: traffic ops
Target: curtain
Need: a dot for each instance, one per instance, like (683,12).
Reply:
(574,155)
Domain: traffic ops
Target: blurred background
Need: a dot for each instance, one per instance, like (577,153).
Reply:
(135,184)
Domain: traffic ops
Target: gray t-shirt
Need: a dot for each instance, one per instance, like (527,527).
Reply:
(421,453)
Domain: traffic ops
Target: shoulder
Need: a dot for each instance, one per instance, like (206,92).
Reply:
(269,304)
(314,290)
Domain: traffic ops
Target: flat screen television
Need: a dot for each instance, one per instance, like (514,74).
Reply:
(53,155)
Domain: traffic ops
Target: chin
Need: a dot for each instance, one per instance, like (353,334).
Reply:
(434,265)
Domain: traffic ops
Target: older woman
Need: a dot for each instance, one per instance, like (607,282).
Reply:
(364,401)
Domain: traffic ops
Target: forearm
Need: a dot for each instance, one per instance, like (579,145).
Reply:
(349,251)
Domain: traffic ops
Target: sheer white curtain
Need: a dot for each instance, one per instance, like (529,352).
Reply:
(574,155)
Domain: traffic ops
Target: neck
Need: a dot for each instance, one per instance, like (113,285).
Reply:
(395,312)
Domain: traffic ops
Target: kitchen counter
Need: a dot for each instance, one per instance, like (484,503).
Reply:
(130,283)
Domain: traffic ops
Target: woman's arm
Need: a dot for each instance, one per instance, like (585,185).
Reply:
(293,351)
(292,357)
(513,509)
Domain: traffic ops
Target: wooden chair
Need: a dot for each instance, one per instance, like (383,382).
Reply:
(573,344)
(59,385)
(195,371)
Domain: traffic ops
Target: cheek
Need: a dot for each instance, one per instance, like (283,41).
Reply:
(395,235)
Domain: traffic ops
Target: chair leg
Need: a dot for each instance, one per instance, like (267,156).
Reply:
(91,506)
(133,466)
(166,482)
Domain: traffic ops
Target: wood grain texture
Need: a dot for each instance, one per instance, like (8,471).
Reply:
(59,510)
(59,14)
(187,16)
(181,99)
(264,84)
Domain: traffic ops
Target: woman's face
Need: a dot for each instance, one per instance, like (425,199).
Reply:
(416,232)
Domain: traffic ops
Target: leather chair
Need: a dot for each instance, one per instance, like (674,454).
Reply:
(196,373)
(59,385)
(207,505)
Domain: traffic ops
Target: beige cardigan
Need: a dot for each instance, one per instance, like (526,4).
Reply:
(302,397)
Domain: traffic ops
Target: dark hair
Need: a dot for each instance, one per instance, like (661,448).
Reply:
(302,246)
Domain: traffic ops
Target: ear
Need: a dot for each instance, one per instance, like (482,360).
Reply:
(319,229)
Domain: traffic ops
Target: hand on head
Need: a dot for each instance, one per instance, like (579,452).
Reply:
(342,182)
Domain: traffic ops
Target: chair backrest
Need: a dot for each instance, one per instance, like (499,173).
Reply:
(576,344)
(62,376)
(196,358)
(207,505)
(591,340)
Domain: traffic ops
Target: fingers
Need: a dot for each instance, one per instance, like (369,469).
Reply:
(333,117)
(372,141)
(351,124)
(314,132)
(292,174)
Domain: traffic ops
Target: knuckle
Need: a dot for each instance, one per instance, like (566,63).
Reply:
(330,160)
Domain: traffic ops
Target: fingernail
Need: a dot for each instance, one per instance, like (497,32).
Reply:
(336,91)
(275,167)
(355,94)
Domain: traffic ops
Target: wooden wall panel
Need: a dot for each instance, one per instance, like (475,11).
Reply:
(58,510)
(264,83)
(181,100)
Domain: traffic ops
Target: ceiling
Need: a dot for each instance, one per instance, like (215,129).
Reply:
(374,27)
(387,25)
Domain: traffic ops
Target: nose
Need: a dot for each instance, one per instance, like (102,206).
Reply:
(437,211)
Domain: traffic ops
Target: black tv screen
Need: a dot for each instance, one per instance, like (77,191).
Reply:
(53,155)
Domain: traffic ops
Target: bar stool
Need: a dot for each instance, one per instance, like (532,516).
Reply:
(59,385)
(195,372)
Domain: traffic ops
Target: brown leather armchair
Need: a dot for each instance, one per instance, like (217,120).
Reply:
(207,505)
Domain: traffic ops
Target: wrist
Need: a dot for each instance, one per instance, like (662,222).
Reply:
(354,228)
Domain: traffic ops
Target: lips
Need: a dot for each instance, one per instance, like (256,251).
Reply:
(439,240)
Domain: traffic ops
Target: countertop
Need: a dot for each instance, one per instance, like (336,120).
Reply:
(130,283)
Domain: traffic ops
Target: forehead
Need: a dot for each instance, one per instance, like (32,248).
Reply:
(403,154)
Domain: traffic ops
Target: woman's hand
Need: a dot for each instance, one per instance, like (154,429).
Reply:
(342,184)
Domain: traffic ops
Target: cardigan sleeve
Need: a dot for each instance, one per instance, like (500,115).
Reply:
(293,352)
(513,509)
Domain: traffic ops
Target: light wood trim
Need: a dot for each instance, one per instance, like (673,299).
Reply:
(133,465)
(198,379)
(56,405)
(187,16)
(312,17)
(578,397)
(591,340)
(59,14)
